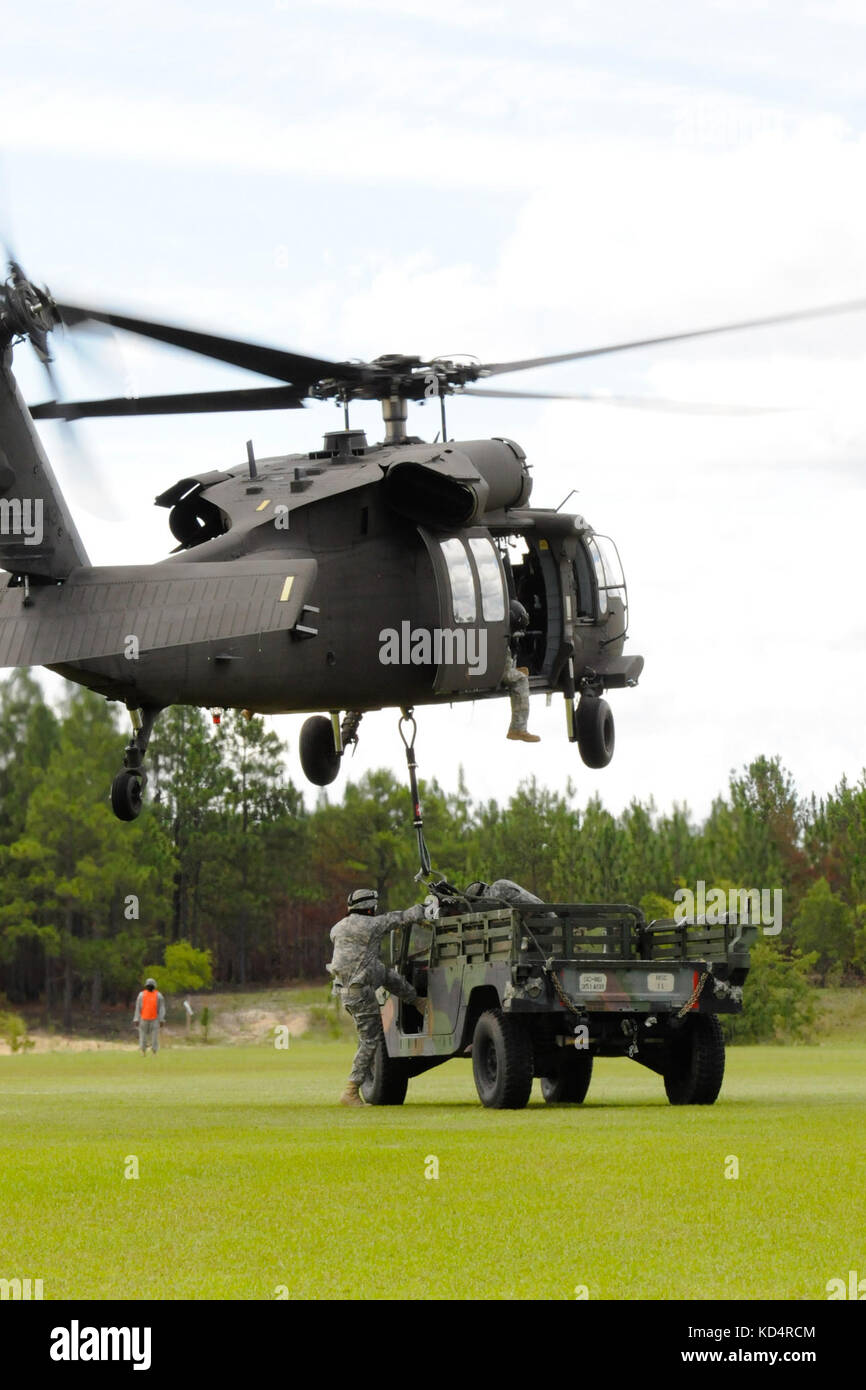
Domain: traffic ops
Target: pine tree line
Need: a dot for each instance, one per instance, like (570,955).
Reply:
(228,858)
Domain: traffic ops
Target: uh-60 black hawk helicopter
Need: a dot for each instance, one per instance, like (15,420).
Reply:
(290,571)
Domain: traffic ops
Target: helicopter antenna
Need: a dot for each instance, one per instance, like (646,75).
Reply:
(433,383)
(251,459)
(565,499)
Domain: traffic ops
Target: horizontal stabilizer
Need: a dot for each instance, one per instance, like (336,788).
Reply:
(98,611)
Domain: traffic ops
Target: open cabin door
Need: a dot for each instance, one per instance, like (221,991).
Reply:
(469,648)
(541,578)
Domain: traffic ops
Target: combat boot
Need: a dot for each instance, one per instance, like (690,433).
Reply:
(523,735)
(351,1095)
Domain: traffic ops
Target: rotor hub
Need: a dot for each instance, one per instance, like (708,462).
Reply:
(26,312)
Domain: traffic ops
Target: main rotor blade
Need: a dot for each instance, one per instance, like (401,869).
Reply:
(635,402)
(190,402)
(274,362)
(852,306)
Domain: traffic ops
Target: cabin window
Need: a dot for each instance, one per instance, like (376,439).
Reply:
(490,577)
(460,579)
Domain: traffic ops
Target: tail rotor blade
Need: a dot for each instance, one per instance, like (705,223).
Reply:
(91,490)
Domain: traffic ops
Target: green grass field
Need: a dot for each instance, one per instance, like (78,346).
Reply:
(251,1178)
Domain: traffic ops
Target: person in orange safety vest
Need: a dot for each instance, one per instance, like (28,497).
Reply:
(149,1015)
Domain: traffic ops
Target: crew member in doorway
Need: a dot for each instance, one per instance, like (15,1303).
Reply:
(516,678)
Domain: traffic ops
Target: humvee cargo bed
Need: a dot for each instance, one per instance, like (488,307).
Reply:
(530,990)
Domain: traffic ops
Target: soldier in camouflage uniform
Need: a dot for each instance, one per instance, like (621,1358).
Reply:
(516,678)
(358,972)
(504,892)
(503,889)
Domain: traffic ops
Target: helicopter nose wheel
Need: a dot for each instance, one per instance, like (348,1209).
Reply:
(595,731)
(322,744)
(127,789)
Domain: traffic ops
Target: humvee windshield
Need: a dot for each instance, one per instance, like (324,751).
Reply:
(420,939)
(395,949)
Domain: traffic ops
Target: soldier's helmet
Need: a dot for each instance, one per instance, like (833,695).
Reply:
(518,615)
(477,889)
(363,900)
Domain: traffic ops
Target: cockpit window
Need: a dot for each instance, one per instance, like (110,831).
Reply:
(612,566)
(610,581)
(583,579)
(490,575)
(461,580)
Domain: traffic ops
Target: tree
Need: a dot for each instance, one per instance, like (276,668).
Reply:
(768,821)
(644,863)
(188,778)
(593,871)
(530,840)
(859,955)
(778,1001)
(654,907)
(228,862)
(69,877)
(260,824)
(368,839)
(29,731)
(184,969)
(843,821)
(825,926)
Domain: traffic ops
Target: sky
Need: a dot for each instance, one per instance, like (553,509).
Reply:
(349,179)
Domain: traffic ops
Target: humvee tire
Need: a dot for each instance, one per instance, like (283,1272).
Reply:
(501,1061)
(571,1083)
(389,1077)
(696,1061)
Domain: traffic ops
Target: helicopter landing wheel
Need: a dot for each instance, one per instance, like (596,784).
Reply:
(319,758)
(128,786)
(126,794)
(595,731)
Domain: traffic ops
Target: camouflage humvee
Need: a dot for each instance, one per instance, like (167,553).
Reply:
(532,990)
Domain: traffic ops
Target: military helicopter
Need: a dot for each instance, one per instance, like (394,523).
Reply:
(354,578)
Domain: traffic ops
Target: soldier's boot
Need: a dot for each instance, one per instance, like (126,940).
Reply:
(523,735)
(351,1095)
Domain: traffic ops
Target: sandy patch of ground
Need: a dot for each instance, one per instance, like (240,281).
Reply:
(257,1025)
(59,1042)
(228,1026)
